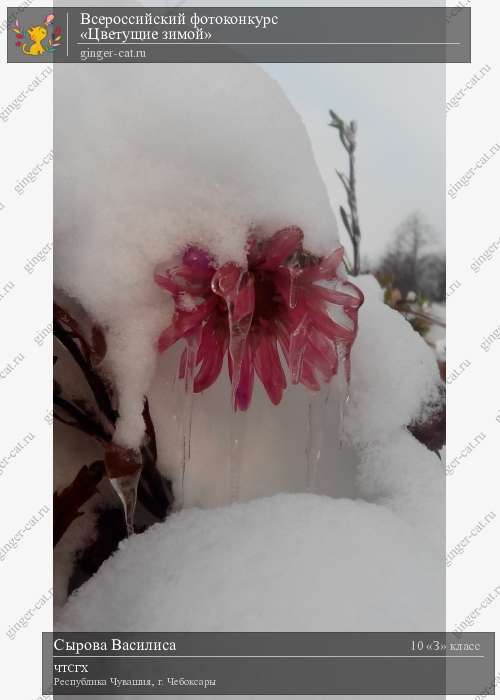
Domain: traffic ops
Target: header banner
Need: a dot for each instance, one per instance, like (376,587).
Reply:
(239,35)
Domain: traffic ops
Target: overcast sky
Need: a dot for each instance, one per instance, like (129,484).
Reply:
(401,139)
(400,110)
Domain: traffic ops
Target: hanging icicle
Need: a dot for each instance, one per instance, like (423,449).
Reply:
(317,426)
(123,467)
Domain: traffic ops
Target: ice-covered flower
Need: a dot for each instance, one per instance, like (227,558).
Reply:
(286,299)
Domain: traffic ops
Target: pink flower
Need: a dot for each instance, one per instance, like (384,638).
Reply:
(285,299)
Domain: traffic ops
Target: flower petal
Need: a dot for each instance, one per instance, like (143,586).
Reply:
(280,247)
(297,348)
(329,264)
(166,281)
(184,322)
(199,260)
(333,330)
(326,269)
(192,275)
(308,378)
(269,369)
(334,296)
(236,287)
(244,302)
(322,354)
(168,338)
(211,353)
(292,308)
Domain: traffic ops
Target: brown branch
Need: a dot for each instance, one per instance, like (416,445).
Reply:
(153,492)
(82,421)
(150,430)
(67,504)
(93,379)
(73,328)
(151,477)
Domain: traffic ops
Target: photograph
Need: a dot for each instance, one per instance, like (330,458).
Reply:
(255,226)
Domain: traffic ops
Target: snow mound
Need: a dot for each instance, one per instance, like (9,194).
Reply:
(405,476)
(394,371)
(286,563)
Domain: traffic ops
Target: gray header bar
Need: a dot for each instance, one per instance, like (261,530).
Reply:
(219,663)
(240,35)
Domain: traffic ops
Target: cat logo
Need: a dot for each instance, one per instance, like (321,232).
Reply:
(36,39)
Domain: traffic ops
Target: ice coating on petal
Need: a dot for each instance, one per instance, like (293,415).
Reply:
(297,348)
(284,298)
(211,354)
(184,323)
(199,261)
(269,369)
(280,247)
(236,287)
(244,388)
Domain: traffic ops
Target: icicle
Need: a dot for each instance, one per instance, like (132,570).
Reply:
(317,411)
(238,334)
(236,287)
(344,392)
(344,400)
(237,349)
(123,467)
(297,348)
(191,350)
(237,436)
(177,398)
(126,488)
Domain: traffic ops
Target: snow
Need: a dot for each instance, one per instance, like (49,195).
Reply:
(286,563)
(294,561)
(394,376)
(141,173)
(80,534)
(405,476)
(394,372)
(257,562)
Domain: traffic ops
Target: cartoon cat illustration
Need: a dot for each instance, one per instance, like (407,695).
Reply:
(37,35)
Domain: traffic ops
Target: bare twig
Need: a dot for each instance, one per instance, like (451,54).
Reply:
(347,135)
(65,337)
(82,420)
